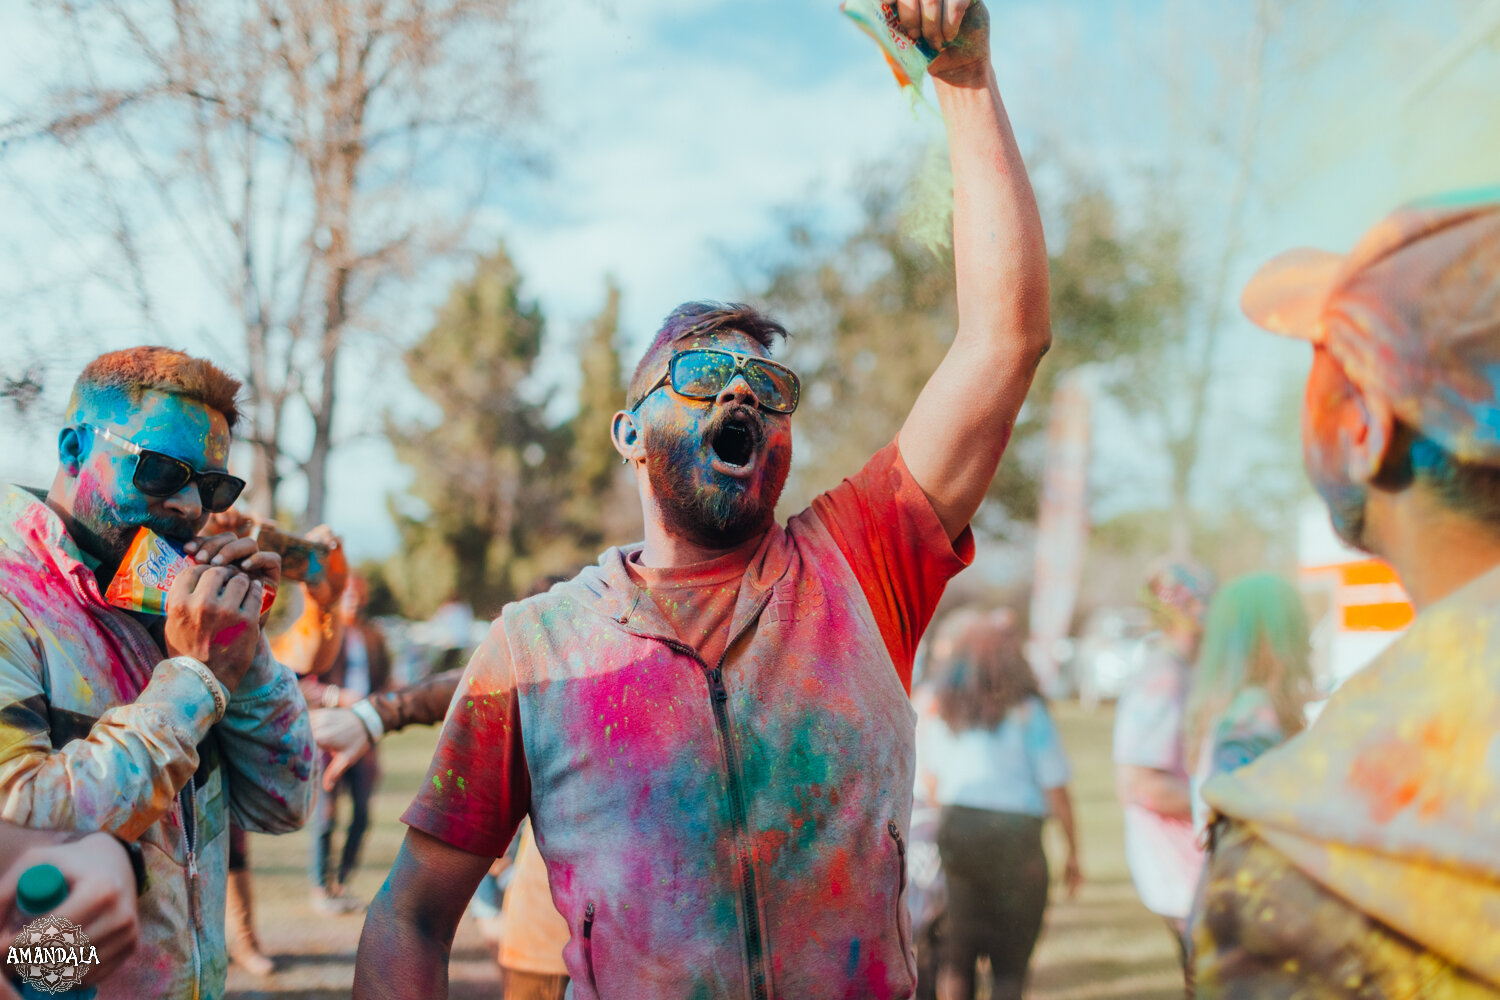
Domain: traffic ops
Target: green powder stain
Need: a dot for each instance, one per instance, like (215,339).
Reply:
(437,782)
(461,787)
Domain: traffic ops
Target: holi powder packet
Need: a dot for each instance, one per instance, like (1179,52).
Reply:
(907,58)
(146,574)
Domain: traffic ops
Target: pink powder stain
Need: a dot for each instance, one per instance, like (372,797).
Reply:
(227,636)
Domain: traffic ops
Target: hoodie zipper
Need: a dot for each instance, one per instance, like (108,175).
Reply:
(588,945)
(187,803)
(135,636)
(906,954)
(755,947)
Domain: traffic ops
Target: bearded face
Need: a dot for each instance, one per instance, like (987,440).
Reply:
(717,479)
(107,508)
(715,467)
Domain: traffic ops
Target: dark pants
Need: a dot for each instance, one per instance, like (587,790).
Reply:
(239,848)
(997,892)
(359,782)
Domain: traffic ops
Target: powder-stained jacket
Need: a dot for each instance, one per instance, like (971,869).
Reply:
(721,830)
(99,732)
(1385,811)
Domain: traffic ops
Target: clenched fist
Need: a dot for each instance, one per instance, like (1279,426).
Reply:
(958,30)
(213,615)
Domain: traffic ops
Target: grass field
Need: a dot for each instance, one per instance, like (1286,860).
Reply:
(1102,946)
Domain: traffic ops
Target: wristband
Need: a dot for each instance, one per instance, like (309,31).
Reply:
(370,718)
(214,685)
(137,862)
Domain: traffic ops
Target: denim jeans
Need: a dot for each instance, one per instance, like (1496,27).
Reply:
(359,782)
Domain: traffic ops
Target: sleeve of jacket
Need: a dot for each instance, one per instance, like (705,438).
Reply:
(120,772)
(266,739)
(1262,928)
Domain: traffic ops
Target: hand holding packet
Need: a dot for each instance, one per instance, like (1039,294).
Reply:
(908,57)
(146,574)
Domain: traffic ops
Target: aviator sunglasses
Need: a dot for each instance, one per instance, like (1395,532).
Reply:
(703,372)
(158,475)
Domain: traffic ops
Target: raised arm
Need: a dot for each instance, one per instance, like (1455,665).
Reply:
(957,430)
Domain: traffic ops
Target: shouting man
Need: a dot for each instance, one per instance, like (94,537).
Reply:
(711,730)
(1362,859)
(154,728)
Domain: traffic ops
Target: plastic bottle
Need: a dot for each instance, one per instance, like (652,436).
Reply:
(42,889)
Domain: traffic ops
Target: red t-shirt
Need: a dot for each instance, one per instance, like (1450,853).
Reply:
(881,521)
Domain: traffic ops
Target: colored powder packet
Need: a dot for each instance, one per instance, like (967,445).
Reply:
(146,574)
(908,58)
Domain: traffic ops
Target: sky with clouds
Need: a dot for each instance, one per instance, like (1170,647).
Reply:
(676,131)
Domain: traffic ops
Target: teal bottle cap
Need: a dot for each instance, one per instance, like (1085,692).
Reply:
(41,890)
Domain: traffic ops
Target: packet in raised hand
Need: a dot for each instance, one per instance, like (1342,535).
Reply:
(908,58)
(146,574)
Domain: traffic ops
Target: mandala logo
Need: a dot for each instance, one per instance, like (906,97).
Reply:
(52,954)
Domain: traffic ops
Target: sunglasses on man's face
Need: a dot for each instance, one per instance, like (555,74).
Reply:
(703,372)
(158,475)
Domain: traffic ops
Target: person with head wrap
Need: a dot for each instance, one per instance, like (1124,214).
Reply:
(1361,859)
(1151,774)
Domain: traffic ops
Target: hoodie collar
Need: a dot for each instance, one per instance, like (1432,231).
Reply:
(27,523)
(617,596)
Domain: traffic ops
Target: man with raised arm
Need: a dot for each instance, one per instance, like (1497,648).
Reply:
(711,730)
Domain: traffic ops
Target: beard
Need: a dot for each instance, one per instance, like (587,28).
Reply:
(722,511)
(107,527)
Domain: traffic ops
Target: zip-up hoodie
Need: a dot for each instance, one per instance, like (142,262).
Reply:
(730,829)
(98,731)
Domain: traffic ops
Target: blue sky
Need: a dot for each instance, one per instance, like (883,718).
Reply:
(676,129)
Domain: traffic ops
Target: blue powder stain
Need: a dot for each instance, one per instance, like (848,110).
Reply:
(852,965)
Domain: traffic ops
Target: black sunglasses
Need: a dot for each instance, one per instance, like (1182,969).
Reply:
(158,475)
(703,372)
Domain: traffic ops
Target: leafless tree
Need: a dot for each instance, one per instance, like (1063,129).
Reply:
(301,162)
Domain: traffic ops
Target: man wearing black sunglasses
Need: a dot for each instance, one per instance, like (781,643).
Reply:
(711,730)
(155,728)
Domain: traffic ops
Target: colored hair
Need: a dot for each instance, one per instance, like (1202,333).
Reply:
(1257,636)
(138,370)
(980,671)
(691,319)
(1177,592)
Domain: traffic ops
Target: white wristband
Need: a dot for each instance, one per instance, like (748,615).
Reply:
(370,718)
(214,685)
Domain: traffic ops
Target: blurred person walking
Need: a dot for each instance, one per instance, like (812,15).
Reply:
(1151,774)
(1253,680)
(992,759)
(1360,859)
(359,666)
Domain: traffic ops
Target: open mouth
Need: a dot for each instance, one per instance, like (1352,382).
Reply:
(734,442)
